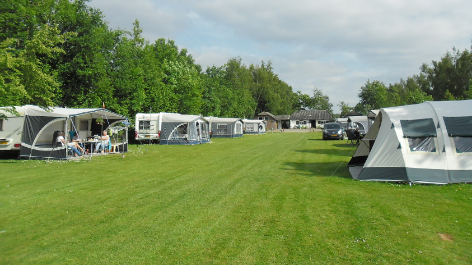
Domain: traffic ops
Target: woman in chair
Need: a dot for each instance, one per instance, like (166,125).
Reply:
(62,141)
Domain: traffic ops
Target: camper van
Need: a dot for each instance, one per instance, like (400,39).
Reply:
(10,131)
(148,126)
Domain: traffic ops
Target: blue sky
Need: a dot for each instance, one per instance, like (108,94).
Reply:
(335,46)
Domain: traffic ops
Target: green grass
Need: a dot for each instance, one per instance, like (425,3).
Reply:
(274,198)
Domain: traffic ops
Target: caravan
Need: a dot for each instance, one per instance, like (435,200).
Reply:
(172,128)
(11,129)
(429,142)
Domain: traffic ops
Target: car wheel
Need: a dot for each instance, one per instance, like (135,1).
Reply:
(342,138)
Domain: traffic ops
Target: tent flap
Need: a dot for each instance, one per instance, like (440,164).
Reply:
(458,126)
(418,128)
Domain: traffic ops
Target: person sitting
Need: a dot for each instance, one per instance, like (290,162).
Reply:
(103,143)
(357,134)
(77,141)
(62,142)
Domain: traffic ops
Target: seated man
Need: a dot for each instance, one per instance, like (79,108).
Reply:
(103,143)
(62,142)
(357,134)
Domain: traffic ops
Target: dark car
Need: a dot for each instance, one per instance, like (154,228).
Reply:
(333,130)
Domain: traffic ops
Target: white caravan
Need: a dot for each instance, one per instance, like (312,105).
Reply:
(11,129)
(148,126)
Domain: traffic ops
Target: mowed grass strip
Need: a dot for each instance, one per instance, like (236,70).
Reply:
(278,198)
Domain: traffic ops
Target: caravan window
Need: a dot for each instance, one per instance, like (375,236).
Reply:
(460,130)
(144,125)
(222,128)
(420,134)
(1,124)
(249,127)
(83,125)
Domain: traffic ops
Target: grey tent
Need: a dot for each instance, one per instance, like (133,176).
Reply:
(41,127)
(429,142)
(225,127)
(181,129)
(254,126)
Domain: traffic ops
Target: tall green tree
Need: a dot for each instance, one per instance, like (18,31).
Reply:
(321,101)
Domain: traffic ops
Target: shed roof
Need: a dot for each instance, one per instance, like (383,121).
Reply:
(282,117)
(267,114)
(311,115)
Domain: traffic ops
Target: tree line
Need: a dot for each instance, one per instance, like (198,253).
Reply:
(63,53)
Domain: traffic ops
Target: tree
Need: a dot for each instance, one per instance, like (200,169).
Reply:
(321,101)
(452,73)
(345,109)
(373,95)
(24,78)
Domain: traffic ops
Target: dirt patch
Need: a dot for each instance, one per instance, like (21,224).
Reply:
(446,237)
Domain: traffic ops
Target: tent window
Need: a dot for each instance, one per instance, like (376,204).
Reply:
(249,127)
(222,128)
(144,125)
(458,126)
(422,144)
(180,132)
(463,144)
(460,129)
(418,128)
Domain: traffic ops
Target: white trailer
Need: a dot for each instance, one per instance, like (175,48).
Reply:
(148,126)
(11,129)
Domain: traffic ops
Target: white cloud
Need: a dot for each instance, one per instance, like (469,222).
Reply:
(334,45)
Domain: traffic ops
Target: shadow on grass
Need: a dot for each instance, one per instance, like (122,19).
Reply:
(322,169)
(7,157)
(338,152)
(344,145)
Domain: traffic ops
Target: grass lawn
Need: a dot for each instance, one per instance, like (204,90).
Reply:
(273,198)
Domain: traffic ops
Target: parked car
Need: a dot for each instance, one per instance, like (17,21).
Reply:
(333,130)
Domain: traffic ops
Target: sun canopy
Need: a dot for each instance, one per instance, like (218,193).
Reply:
(41,127)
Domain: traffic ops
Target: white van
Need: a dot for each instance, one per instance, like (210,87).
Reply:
(148,126)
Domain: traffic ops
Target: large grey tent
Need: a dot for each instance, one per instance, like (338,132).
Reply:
(225,127)
(40,129)
(429,142)
(181,129)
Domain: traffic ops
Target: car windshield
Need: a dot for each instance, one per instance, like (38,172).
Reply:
(332,126)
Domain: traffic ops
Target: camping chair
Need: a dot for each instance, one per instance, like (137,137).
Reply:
(54,139)
(351,136)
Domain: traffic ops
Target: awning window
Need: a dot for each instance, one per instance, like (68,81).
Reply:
(418,128)
(458,126)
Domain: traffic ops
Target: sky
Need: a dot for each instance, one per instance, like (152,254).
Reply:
(335,46)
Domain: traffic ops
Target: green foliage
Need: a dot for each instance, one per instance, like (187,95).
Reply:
(321,101)
(24,77)
(345,109)
(60,52)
